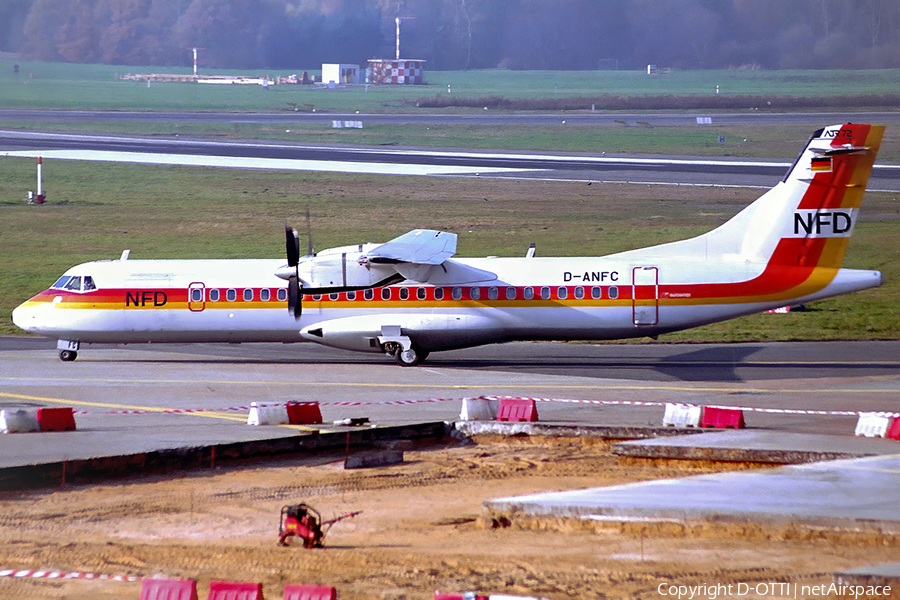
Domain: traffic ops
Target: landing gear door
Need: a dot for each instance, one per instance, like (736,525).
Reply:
(645,296)
(196,297)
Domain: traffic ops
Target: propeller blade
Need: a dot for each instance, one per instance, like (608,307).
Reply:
(295,304)
(292,245)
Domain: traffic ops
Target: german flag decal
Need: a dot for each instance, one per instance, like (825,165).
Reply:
(820,164)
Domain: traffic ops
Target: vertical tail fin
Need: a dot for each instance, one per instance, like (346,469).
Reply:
(834,168)
(806,220)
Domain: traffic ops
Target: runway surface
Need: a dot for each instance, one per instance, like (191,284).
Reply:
(413,161)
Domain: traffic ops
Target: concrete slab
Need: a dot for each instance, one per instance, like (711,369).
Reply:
(367,460)
(875,575)
(604,432)
(855,494)
(746,445)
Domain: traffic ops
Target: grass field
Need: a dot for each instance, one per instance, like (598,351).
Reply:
(95,87)
(177,212)
(66,86)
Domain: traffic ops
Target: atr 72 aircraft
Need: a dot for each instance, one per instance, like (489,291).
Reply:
(409,297)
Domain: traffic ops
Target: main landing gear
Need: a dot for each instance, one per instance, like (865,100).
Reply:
(409,357)
(67,355)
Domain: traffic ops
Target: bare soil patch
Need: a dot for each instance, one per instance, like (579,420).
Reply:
(421,530)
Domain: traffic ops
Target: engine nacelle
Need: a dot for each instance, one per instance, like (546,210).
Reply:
(344,267)
(431,332)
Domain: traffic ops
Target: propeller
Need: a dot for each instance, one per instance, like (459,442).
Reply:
(292,246)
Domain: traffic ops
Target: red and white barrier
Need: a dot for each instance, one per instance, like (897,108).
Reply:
(479,409)
(517,410)
(893,432)
(722,418)
(168,589)
(56,419)
(21,420)
(303,413)
(235,590)
(293,591)
(476,596)
(873,424)
(682,415)
(47,574)
(267,415)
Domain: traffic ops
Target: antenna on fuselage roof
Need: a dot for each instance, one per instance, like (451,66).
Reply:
(125,254)
(309,244)
(531,250)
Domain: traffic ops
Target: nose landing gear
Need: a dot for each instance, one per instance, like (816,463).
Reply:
(68,350)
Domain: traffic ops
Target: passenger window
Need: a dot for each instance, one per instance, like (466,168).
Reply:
(492,293)
(579,292)
(475,293)
(421,293)
(613,292)
(333,297)
(265,294)
(88,284)
(281,294)
(74,284)
(369,294)
(213,295)
(561,293)
(385,293)
(317,297)
(248,295)
(231,294)
(528,293)
(196,295)
(545,293)
(404,293)
(438,293)
(351,296)
(456,294)
(596,292)
(510,293)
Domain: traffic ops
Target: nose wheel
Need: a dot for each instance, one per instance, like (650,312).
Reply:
(67,355)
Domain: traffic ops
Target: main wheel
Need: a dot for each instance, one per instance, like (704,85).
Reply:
(411,357)
(67,355)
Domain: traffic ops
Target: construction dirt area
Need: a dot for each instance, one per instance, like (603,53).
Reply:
(422,529)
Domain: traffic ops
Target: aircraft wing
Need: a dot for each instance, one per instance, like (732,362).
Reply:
(420,247)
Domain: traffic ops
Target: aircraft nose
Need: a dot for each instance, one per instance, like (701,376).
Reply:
(24,317)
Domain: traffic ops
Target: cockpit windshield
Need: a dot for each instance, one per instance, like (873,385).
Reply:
(75,283)
(61,283)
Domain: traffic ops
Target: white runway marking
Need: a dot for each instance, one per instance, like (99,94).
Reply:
(275,164)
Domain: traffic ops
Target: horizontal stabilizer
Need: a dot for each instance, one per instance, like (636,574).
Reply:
(420,246)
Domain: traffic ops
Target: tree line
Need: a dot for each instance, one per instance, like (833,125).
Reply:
(460,34)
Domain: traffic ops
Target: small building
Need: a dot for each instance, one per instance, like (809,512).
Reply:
(340,73)
(401,70)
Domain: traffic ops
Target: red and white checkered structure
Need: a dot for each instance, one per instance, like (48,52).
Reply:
(400,71)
